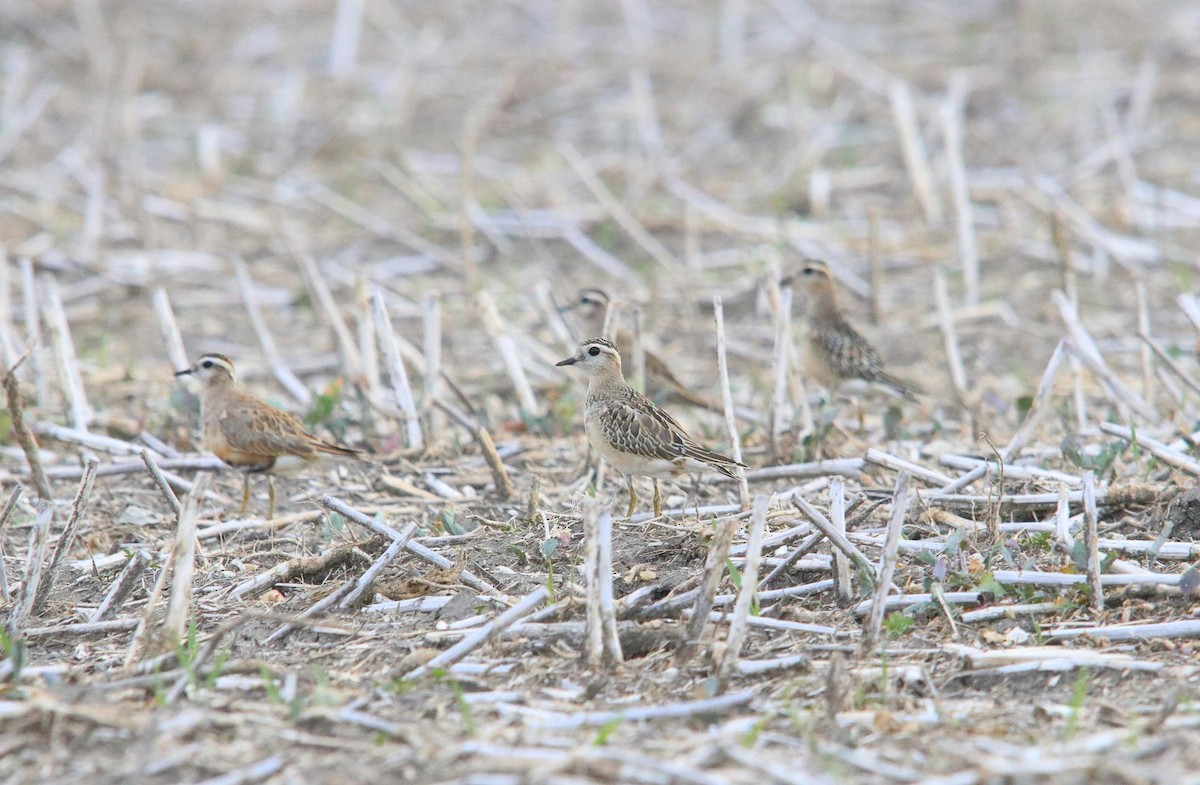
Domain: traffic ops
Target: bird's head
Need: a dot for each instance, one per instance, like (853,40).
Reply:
(595,356)
(211,368)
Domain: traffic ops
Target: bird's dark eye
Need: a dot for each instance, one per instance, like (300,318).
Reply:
(207,364)
(809,270)
(594,351)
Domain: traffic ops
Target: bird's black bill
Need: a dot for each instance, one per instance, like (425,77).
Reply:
(184,372)
(787,280)
(568,361)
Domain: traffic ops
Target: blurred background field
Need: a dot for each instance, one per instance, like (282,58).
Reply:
(263,170)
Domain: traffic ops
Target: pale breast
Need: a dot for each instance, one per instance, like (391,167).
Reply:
(818,366)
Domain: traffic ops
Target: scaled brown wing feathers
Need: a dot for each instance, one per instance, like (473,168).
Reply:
(633,424)
(853,357)
(254,427)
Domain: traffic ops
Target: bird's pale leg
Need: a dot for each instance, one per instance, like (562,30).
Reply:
(657,500)
(632,496)
(270,497)
(245,495)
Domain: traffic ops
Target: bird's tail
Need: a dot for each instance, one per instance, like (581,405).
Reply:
(722,463)
(904,389)
(337,449)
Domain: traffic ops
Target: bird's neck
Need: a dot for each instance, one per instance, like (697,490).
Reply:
(606,381)
(822,303)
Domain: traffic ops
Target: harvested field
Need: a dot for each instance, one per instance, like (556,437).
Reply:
(377,209)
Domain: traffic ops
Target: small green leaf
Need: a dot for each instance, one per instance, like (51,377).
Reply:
(1107,562)
(735,575)
(606,730)
(987,583)
(897,623)
(448,523)
(1024,405)
(1079,555)
(324,404)
(549,547)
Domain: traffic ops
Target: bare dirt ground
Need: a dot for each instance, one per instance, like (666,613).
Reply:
(256,176)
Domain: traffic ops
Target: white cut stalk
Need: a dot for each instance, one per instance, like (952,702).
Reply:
(1170,365)
(1086,350)
(367,579)
(1092,541)
(208,152)
(735,442)
(35,559)
(160,479)
(121,587)
(169,328)
(594,639)
(1146,355)
(887,566)
(710,579)
(781,407)
(352,361)
(613,206)
(483,634)
(958,374)
(916,160)
(599,257)
(603,644)
(608,612)
(432,347)
(465,576)
(732,35)
(67,539)
(1038,409)
(749,588)
(396,370)
(543,292)
(638,361)
(184,558)
(13,496)
(282,373)
(365,322)
(64,353)
(9,344)
(1162,451)
(837,517)
(347,29)
(952,130)
(508,352)
(1191,308)
(896,463)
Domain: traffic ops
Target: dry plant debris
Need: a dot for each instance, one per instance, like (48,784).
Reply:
(378,208)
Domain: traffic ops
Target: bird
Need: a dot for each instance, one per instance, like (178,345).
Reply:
(591,307)
(634,434)
(249,434)
(835,352)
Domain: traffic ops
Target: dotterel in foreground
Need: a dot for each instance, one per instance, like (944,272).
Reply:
(247,433)
(633,433)
(834,351)
(662,384)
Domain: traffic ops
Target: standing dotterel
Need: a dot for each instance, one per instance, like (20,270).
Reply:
(633,433)
(834,351)
(247,433)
